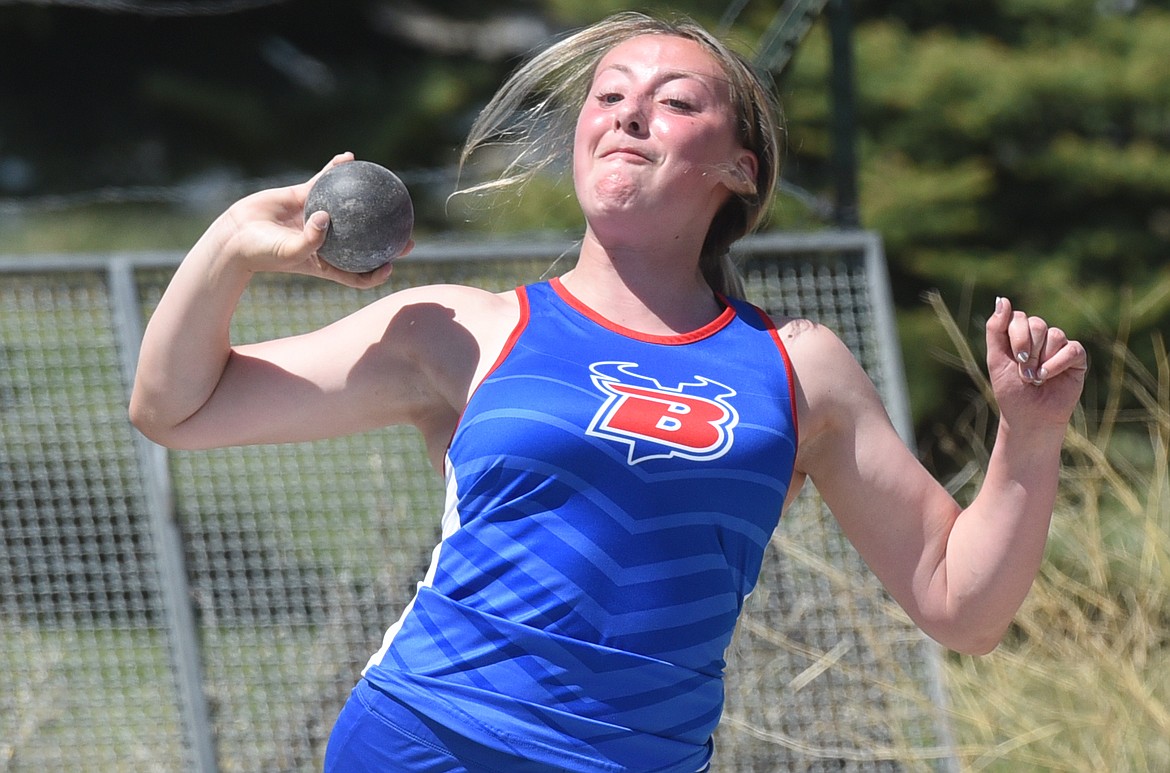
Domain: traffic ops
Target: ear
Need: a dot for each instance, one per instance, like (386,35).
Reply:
(741,173)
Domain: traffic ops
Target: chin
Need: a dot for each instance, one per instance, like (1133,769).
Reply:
(615,190)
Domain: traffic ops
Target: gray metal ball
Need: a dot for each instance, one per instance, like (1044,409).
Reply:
(371,215)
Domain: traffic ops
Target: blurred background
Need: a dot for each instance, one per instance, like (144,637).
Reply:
(1016,147)
(1020,147)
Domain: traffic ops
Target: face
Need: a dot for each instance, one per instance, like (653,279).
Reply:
(657,135)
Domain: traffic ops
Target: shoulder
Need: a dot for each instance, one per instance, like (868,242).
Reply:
(434,343)
(817,354)
(808,341)
(419,315)
(435,324)
(462,299)
(835,396)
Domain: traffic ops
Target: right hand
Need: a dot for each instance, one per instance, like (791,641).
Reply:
(267,232)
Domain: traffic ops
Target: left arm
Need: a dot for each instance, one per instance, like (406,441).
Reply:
(961,574)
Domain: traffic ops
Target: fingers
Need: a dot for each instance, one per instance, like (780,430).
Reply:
(340,158)
(363,281)
(1038,350)
(1027,337)
(303,189)
(314,232)
(1061,355)
(337,160)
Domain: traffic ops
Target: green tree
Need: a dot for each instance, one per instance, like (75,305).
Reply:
(1018,148)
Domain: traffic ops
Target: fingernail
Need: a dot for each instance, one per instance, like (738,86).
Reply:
(1023,356)
(319,220)
(998,304)
(1042,374)
(1030,375)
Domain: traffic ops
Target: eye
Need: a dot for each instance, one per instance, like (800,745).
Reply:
(678,103)
(609,98)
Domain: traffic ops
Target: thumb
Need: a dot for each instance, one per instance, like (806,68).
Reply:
(316,229)
(998,342)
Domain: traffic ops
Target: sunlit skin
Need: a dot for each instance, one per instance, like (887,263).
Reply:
(657,135)
(655,154)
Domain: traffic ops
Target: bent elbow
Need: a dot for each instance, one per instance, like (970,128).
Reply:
(153,428)
(143,420)
(975,641)
(977,647)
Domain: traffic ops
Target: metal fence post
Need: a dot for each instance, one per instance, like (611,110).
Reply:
(898,404)
(290,559)
(168,545)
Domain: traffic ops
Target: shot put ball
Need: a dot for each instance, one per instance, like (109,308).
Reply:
(371,215)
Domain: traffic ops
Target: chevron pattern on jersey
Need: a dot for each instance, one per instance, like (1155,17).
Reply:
(610,497)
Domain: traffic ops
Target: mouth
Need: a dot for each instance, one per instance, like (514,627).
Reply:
(626,153)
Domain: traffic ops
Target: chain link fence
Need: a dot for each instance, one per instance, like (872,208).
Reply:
(210,611)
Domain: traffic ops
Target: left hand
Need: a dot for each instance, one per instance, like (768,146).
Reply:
(1037,373)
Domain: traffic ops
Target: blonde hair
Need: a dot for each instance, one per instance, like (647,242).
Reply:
(534,113)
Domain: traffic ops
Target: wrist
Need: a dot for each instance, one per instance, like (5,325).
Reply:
(220,252)
(1036,435)
(1030,452)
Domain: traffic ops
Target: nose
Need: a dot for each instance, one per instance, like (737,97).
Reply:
(630,117)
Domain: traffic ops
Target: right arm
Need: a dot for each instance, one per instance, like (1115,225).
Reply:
(408,358)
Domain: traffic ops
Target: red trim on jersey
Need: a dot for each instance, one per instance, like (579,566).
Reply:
(710,329)
(521,323)
(522,298)
(787,366)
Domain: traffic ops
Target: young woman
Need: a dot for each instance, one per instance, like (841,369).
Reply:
(618,443)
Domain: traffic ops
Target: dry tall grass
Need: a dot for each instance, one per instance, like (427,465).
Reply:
(1083,681)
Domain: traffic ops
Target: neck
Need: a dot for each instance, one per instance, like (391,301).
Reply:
(656,291)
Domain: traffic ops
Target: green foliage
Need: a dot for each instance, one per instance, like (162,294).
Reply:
(1023,150)
(107,228)
(545,204)
(1083,681)
(1016,148)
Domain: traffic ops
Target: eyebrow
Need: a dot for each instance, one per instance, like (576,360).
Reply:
(667,74)
(670,75)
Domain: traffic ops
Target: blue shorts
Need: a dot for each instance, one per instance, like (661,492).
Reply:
(377,733)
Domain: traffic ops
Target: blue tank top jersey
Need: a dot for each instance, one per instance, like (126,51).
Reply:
(609,499)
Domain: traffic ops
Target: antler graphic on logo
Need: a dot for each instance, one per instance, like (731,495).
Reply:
(692,420)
